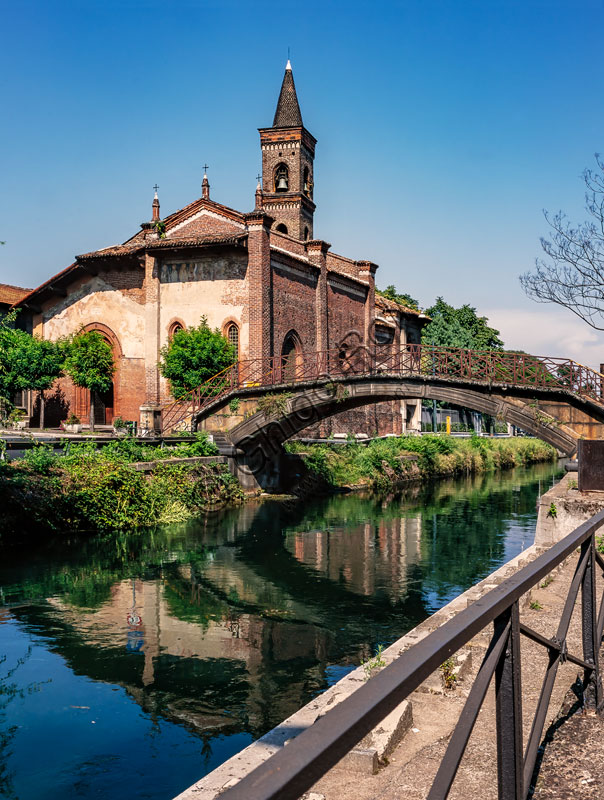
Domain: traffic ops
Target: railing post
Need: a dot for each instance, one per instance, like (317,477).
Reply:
(592,681)
(508,694)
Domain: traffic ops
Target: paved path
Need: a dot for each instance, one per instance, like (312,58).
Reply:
(574,747)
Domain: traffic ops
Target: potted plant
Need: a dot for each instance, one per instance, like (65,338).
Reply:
(119,426)
(18,419)
(72,424)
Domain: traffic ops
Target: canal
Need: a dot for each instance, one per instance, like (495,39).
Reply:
(133,664)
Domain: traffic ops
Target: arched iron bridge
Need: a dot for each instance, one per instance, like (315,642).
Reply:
(319,385)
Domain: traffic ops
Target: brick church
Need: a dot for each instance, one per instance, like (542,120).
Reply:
(258,276)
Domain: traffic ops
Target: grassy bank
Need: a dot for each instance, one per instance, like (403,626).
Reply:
(386,462)
(84,488)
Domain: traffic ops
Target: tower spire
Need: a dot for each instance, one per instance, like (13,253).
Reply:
(155,205)
(205,184)
(288,113)
(259,193)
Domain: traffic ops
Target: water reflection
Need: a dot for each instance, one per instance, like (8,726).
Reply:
(225,626)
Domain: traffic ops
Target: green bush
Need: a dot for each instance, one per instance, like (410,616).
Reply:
(382,462)
(90,489)
(41,458)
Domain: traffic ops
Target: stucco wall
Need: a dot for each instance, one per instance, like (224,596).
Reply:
(95,300)
(211,285)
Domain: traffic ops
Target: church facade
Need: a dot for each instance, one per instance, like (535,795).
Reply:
(260,277)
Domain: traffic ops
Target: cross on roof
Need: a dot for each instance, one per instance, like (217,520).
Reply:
(205,168)
(259,178)
(156,187)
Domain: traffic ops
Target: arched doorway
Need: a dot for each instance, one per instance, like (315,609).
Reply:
(291,357)
(105,403)
(104,406)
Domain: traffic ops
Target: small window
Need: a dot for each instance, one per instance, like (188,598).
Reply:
(383,335)
(233,337)
(306,232)
(281,228)
(174,328)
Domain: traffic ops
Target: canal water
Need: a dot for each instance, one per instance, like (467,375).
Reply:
(133,664)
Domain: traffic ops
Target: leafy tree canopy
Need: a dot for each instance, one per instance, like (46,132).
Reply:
(459,327)
(193,356)
(7,337)
(35,363)
(391,293)
(89,361)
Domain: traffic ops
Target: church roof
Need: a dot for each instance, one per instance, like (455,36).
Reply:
(288,113)
(12,294)
(385,304)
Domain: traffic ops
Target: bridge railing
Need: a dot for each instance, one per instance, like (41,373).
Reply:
(487,366)
(289,773)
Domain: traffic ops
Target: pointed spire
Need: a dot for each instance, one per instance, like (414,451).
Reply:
(205,185)
(288,113)
(259,195)
(155,216)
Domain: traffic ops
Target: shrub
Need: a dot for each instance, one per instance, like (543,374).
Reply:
(382,462)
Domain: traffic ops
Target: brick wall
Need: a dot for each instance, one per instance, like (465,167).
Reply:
(294,300)
(128,281)
(260,285)
(206,223)
(346,313)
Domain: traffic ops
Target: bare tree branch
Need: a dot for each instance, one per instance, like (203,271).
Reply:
(572,276)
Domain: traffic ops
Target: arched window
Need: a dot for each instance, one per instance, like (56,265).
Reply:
(281,178)
(281,228)
(232,334)
(306,232)
(175,326)
(307,183)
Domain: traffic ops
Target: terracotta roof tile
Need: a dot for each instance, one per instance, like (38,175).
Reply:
(12,294)
(391,305)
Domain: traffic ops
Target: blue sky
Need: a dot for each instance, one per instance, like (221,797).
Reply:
(444,129)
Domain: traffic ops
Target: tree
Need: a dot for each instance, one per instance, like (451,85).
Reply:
(459,327)
(89,364)
(35,364)
(193,356)
(7,339)
(391,293)
(27,362)
(572,275)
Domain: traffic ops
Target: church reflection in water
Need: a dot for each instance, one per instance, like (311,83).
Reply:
(231,623)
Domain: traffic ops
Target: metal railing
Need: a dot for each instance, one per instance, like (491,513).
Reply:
(488,366)
(295,768)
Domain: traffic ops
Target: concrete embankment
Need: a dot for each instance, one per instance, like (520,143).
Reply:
(428,716)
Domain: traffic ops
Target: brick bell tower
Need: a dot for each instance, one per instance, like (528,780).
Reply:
(288,152)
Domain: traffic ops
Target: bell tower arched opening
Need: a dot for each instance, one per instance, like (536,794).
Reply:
(281,181)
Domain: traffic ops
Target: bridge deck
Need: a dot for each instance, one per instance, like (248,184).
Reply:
(514,372)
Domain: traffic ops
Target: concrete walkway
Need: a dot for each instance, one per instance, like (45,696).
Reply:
(574,745)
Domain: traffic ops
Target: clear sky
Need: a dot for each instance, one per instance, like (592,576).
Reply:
(444,129)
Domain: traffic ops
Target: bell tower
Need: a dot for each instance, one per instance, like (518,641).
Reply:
(288,152)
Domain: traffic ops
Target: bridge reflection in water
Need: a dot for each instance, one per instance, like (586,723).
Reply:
(223,627)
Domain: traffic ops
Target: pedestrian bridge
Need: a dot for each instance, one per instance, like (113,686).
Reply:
(296,391)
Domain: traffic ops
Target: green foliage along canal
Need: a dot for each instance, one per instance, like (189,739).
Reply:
(132,664)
